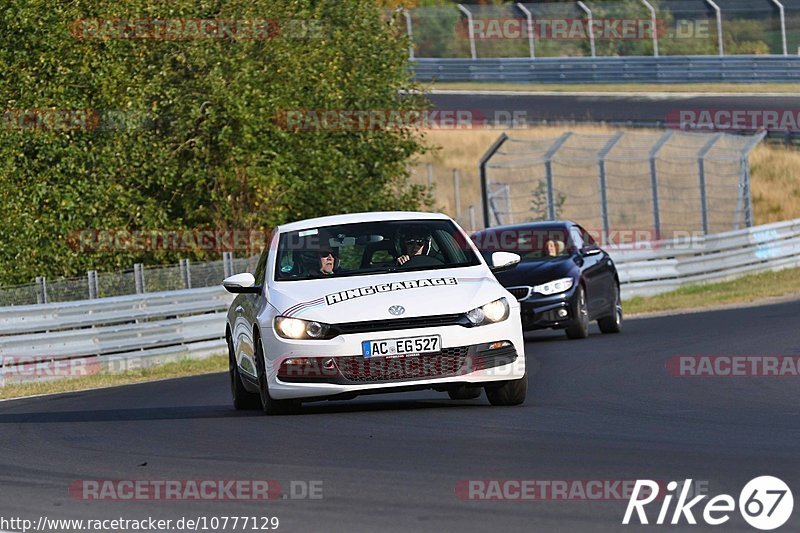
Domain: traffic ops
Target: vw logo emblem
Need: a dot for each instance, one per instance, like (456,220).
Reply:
(397,310)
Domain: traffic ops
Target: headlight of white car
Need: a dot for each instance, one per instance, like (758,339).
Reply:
(295,328)
(554,287)
(495,311)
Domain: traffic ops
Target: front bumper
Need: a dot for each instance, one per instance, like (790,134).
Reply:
(556,311)
(465,357)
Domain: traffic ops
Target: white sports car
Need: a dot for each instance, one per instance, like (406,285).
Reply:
(365,303)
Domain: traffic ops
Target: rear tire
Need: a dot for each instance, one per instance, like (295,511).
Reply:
(612,324)
(580,328)
(511,392)
(465,393)
(268,404)
(242,399)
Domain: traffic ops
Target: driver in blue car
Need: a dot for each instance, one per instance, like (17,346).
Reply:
(416,241)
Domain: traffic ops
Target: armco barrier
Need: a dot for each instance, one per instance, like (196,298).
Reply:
(141,330)
(633,69)
(651,268)
(116,333)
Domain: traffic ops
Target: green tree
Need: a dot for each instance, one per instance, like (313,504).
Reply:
(200,144)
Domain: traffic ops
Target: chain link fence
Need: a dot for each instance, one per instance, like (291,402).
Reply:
(629,28)
(138,280)
(657,184)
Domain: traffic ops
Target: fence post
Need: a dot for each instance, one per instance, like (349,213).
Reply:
(91,277)
(138,277)
(719,26)
(227,271)
(457,193)
(41,290)
(186,273)
(654,182)
(410,34)
(548,170)
(470,30)
(590,24)
(482,168)
(603,192)
(702,173)
(654,22)
(531,40)
(472,218)
(743,199)
(783,26)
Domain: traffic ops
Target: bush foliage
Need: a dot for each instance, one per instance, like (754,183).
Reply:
(187,134)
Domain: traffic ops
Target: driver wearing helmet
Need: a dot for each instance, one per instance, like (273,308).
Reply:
(416,241)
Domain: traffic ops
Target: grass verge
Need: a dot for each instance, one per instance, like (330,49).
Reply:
(744,88)
(747,289)
(177,369)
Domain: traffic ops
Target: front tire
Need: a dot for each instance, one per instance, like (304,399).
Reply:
(242,399)
(580,327)
(612,324)
(511,392)
(269,405)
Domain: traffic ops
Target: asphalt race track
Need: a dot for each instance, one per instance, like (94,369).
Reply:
(637,108)
(599,409)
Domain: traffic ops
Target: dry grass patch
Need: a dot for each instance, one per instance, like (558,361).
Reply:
(775,183)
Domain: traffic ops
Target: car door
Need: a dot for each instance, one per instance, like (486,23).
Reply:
(246,309)
(590,270)
(602,274)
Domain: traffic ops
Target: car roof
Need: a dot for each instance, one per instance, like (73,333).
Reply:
(531,225)
(352,218)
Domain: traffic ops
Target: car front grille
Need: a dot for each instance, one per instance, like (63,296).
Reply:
(448,362)
(391,324)
(520,293)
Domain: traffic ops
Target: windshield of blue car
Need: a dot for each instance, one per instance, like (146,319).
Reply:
(534,244)
(372,247)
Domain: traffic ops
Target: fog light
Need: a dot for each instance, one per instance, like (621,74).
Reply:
(562,313)
(499,344)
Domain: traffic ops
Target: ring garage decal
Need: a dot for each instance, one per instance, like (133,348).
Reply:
(349,294)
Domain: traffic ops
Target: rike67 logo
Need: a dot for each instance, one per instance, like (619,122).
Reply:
(765,503)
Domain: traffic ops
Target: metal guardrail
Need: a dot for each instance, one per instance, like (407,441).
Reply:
(632,69)
(138,331)
(70,339)
(647,269)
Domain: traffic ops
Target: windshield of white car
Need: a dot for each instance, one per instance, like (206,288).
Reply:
(531,244)
(372,248)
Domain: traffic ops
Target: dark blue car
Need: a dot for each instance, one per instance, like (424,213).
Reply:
(564,279)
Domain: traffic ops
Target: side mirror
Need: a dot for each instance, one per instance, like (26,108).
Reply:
(591,250)
(504,261)
(241,284)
